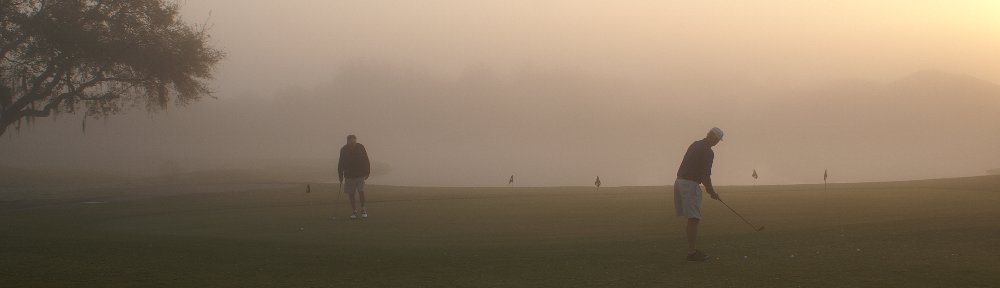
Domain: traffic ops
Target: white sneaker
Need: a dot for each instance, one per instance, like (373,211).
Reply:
(364,213)
(354,215)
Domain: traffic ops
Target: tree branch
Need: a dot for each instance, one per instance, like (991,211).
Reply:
(35,93)
(13,115)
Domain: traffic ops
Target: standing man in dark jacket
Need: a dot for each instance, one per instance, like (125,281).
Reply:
(355,167)
(695,170)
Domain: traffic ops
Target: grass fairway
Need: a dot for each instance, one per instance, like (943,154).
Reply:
(934,233)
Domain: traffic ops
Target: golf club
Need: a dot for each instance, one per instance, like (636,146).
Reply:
(741,217)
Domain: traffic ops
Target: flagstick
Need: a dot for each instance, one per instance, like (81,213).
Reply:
(597,184)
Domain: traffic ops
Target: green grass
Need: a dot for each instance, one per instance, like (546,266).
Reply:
(936,233)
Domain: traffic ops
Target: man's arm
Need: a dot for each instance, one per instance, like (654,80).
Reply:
(340,166)
(368,164)
(707,181)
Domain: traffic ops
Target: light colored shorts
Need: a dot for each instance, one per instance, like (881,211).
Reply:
(687,198)
(352,185)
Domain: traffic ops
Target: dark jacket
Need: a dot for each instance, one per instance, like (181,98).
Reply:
(353,162)
(697,163)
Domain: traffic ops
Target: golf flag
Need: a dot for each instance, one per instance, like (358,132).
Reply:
(754,174)
(598,182)
(511,181)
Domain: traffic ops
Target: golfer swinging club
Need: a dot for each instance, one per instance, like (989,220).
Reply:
(696,168)
(354,166)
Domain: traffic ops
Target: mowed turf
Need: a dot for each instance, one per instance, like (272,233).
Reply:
(935,233)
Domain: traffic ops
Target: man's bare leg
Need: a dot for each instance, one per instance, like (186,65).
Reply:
(692,233)
(362,194)
(353,208)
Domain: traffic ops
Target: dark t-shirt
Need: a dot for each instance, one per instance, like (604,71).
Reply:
(697,163)
(354,162)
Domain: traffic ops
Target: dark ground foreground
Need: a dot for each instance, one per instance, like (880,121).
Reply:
(935,233)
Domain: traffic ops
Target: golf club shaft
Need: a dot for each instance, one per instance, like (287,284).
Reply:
(738,214)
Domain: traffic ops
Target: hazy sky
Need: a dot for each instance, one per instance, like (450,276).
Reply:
(274,44)
(557,92)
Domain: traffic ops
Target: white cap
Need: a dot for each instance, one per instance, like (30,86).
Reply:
(717,132)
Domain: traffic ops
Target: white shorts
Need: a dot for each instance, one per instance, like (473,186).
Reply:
(687,198)
(352,185)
